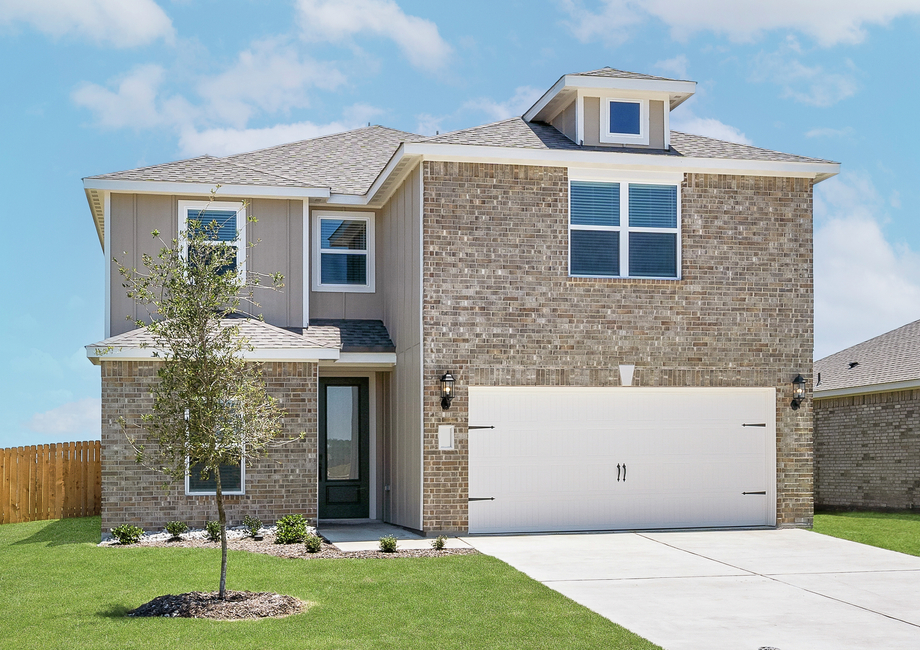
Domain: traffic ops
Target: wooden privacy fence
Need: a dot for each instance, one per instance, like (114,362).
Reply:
(50,481)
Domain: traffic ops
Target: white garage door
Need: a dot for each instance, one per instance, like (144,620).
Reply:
(566,459)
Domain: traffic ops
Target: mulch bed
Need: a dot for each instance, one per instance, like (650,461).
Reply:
(327,552)
(237,606)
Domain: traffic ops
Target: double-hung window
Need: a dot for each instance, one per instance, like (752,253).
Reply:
(629,230)
(343,251)
(223,221)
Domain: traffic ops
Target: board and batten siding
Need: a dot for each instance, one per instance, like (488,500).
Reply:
(279,227)
(354,305)
(399,251)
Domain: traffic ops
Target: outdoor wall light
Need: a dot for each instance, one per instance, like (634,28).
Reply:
(798,392)
(447,390)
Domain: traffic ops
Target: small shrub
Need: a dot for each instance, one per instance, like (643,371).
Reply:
(388,544)
(314,543)
(253,525)
(290,529)
(438,543)
(175,529)
(213,530)
(127,534)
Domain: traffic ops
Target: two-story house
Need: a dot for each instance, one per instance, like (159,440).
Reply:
(622,309)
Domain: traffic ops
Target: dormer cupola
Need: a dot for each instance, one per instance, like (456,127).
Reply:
(612,108)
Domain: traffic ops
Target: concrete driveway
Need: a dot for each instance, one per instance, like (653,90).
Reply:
(732,590)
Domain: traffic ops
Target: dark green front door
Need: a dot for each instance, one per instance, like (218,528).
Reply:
(343,448)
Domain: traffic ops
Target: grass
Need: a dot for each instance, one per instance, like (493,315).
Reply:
(59,590)
(895,531)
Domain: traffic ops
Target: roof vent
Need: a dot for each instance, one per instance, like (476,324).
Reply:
(853,364)
(819,380)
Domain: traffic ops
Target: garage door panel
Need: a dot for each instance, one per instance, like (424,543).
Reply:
(551,461)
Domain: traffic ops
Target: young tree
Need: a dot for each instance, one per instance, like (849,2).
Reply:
(210,407)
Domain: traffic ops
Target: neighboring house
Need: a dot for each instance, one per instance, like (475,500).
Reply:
(623,309)
(867,423)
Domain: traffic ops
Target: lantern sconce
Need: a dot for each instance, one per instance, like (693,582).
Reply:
(798,392)
(447,390)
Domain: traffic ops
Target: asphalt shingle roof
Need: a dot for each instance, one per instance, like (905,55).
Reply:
(516,132)
(891,357)
(346,163)
(336,334)
(620,74)
(350,162)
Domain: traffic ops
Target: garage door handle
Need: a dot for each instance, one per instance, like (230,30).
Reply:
(481,499)
(624,472)
(761,492)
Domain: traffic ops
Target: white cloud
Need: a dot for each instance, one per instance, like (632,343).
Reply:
(524,97)
(687,122)
(429,124)
(270,76)
(807,84)
(827,132)
(829,22)
(122,23)
(226,141)
(864,284)
(81,418)
(134,103)
(336,20)
(677,66)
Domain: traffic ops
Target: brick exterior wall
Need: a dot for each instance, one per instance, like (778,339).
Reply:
(500,309)
(282,482)
(867,451)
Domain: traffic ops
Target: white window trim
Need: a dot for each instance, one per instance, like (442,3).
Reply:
(624,138)
(624,228)
(240,492)
(195,207)
(316,251)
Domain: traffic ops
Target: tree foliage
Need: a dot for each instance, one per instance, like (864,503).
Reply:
(210,406)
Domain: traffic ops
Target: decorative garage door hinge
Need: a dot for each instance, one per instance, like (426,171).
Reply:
(481,499)
(471,427)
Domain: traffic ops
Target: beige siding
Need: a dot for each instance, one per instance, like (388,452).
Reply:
(134,217)
(279,227)
(278,239)
(331,304)
(399,246)
(565,122)
(593,125)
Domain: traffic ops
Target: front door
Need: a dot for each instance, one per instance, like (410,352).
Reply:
(343,448)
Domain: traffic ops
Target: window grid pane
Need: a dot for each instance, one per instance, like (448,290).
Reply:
(225,219)
(595,252)
(624,118)
(343,268)
(653,254)
(343,234)
(231,479)
(595,204)
(653,206)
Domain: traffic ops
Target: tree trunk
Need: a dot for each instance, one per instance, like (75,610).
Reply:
(222,518)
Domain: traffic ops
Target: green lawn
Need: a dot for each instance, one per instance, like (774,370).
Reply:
(892,530)
(58,590)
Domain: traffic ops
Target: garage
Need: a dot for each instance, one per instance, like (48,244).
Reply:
(623,458)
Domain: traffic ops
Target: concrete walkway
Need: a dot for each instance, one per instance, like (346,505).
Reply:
(731,590)
(366,537)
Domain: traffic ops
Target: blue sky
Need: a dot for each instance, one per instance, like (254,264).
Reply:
(105,85)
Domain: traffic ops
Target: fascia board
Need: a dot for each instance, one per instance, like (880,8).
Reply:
(615,160)
(547,97)
(866,390)
(645,85)
(96,354)
(173,187)
(367,358)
